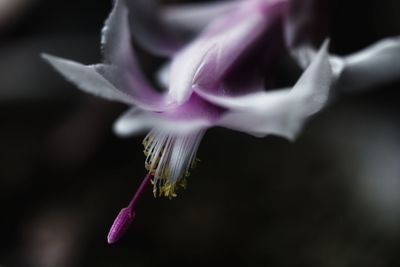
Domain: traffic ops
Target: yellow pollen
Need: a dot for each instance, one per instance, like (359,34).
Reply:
(163,188)
(162,185)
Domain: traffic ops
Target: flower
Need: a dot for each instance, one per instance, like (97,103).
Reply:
(218,78)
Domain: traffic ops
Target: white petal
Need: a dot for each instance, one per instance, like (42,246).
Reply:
(281,112)
(265,113)
(307,22)
(183,69)
(163,75)
(150,32)
(88,79)
(112,83)
(142,93)
(313,86)
(304,55)
(371,67)
(214,49)
(195,16)
(136,121)
(124,72)
(116,37)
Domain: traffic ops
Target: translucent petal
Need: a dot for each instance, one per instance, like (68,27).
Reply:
(209,57)
(109,82)
(193,114)
(250,39)
(124,71)
(143,93)
(163,76)
(307,22)
(371,67)
(137,121)
(88,79)
(150,32)
(280,112)
(116,38)
(195,16)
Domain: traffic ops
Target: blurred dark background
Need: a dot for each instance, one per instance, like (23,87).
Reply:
(329,199)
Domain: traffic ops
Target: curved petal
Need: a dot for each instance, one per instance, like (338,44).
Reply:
(88,79)
(143,94)
(255,37)
(371,67)
(149,31)
(266,114)
(116,38)
(195,16)
(124,71)
(307,22)
(195,114)
(163,76)
(137,121)
(109,82)
(209,57)
(281,112)
(134,121)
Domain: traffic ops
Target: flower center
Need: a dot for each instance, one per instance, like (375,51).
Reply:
(169,158)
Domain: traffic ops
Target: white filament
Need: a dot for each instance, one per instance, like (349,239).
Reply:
(170,156)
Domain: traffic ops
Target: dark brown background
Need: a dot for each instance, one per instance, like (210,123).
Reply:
(330,199)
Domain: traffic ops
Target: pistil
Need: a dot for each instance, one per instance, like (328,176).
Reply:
(127,214)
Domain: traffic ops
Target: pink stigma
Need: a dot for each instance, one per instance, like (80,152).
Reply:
(127,214)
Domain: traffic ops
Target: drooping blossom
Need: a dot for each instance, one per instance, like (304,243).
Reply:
(218,74)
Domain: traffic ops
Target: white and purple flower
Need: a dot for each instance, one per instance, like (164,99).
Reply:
(218,74)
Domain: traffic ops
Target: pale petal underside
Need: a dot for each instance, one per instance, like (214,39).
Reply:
(125,70)
(109,82)
(138,121)
(280,112)
(88,79)
(371,67)
(307,22)
(195,16)
(116,38)
(216,49)
(120,78)
(235,46)
(150,32)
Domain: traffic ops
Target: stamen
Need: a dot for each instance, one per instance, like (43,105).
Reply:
(127,214)
(169,158)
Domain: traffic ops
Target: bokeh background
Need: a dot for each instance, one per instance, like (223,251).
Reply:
(330,199)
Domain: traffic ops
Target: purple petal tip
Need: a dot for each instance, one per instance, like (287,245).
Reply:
(120,225)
